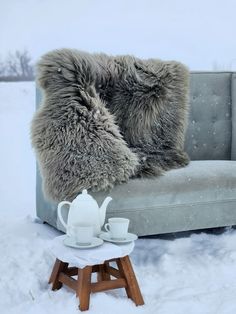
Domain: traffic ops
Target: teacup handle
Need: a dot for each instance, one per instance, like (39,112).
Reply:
(107,227)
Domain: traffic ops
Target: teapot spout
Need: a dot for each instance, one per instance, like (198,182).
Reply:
(102,210)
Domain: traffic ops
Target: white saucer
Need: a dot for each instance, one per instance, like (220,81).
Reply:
(106,237)
(71,242)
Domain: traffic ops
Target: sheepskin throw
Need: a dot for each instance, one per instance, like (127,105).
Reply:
(106,119)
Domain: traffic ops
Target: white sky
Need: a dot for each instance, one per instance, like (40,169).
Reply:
(199,33)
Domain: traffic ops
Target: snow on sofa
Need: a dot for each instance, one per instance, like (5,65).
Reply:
(201,195)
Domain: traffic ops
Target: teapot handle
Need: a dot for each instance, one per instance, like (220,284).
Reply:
(60,214)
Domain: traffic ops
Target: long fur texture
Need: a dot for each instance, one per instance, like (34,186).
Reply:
(106,119)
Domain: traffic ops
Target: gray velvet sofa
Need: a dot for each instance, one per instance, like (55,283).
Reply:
(201,195)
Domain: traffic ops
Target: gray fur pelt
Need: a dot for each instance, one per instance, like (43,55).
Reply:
(106,119)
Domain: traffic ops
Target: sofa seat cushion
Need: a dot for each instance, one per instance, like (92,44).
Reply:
(200,181)
(201,195)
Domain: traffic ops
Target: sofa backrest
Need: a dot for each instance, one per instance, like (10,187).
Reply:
(211,132)
(212,116)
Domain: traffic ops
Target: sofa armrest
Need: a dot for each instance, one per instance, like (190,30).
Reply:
(233,100)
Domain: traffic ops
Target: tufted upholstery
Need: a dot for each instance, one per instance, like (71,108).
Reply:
(210,120)
(212,116)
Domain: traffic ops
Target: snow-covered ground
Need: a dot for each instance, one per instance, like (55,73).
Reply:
(17,163)
(194,275)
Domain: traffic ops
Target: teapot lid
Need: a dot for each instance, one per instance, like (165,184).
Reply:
(85,197)
(84,194)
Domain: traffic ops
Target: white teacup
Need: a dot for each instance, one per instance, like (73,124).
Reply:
(82,233)
(117,227)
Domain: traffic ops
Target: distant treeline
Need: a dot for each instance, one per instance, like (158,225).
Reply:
(17,67)
(15,79)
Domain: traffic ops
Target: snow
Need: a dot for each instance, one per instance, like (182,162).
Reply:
(17,164)
(193,274)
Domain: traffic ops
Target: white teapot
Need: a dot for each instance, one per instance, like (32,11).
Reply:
(84,209)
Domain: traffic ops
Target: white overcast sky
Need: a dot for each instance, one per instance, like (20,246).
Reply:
(200,33)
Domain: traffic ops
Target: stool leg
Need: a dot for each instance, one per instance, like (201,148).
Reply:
(126,270)
(84,287)
(122,273)
(102,274)
(58,267)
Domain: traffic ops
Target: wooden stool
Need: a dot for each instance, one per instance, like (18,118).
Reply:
(125,278)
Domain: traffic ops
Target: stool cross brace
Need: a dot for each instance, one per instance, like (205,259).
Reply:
(124,278)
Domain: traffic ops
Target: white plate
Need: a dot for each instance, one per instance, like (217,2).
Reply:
(71,242)
(106,237)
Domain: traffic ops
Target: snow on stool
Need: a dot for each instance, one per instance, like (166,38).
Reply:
(84,262)
(88,257)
